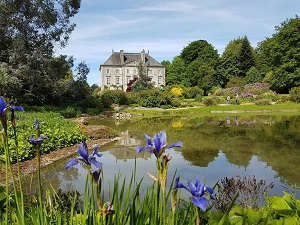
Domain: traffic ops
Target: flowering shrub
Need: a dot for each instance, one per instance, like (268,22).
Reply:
(256,88)
(228,91)
(176,91)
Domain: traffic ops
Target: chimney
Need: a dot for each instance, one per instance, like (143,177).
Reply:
(122,57)
(143,56)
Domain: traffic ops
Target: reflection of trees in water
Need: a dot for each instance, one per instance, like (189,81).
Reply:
(52,177)
(200,157)
(273,139)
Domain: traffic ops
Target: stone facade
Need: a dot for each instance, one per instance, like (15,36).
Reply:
(121,67)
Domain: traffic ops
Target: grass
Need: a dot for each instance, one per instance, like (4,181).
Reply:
(281,108)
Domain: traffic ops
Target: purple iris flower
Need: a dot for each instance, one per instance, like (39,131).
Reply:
(83,156)
(3,107)
(198,190)
(37,141)
(158,145)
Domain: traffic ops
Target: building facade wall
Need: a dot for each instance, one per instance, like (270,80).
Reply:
(116,77)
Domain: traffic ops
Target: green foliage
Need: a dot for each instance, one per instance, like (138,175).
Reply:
(211,101)
(153,98)
(198,98)
(295,94)
(176,73)
(229,62)
(192,92)
(263,102)
(9,85)
(280,54)
(236,82)
(110,97)
(246,57)
(278,210)
(70,112)
(144,81)
(60,133)
(199,50)
(253,76)
(28,51)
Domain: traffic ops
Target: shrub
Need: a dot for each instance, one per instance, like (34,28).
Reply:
(192,92)
(110,97)
(248,188)
(198,98)
(210,101)
(93,111)
(271,95)
(70,112)
(256,88)
(132,97)
(153,98)
(295,94)
(176,91)
(263,102)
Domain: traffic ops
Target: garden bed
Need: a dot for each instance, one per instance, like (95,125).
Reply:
(96,134)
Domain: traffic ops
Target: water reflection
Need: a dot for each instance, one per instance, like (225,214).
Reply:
(264,146)
(124,149)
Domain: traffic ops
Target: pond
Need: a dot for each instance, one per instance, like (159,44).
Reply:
(215,147)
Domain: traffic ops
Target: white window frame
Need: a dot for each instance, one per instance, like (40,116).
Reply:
(108,80)
(159,80)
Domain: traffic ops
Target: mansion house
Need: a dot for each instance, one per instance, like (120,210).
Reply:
(121,67)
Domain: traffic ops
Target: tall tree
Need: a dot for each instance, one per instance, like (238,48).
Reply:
(200,50)
(176,73)
(82,72)
(229,62)
(280,55)
(29,32)
(201,60)
(246,57)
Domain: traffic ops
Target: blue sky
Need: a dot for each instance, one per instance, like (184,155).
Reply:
(165,27)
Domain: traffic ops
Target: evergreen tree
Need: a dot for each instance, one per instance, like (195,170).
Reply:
(246,57)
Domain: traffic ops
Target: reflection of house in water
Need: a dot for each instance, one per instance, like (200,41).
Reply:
(125,148)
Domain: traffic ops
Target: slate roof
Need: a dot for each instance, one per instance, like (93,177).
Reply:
(115,59)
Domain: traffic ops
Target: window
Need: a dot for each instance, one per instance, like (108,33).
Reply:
(108,80)
(128,80)
(134,71)
(159,80)
(107,71)
(150,72)
(117,71)
(117,80)
(159,72)
(127,71)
